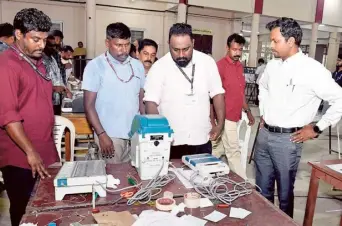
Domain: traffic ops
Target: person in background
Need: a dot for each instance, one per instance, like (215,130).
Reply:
(113,94)
(179,86)
(233,81)
(147,53)
(26,114)
(56,78)
(80,50)
(59,36)
(337,75)
(258,73)
(66,57)
(80,54)
(133,52)
(6,36)
(291,90)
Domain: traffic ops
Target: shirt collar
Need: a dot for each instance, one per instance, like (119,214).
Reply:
(294,57)
(113,60)
(38,62)
(230,61)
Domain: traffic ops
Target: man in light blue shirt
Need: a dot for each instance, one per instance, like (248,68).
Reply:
(113,94)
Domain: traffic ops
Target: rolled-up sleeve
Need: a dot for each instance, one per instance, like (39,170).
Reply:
(154,84)
(91,77)
(215,83)
(9,89)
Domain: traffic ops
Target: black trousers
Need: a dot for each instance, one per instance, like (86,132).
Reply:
(178,151)
(19,184)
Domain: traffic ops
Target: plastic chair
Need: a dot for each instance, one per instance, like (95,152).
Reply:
(244,143)
(61,124)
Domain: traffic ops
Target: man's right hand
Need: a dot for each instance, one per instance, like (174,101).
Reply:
(37,165)
(106,144)
(262,122)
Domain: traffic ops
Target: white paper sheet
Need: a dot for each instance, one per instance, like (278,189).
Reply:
(193,221)
(205,202)
(336,167)
(238,213)
(215,216)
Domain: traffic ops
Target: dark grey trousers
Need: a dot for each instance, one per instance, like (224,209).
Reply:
(276,160)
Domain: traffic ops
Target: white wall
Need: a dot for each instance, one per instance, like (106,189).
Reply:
(303,10)
(234,5)
(332,13)
(72,16)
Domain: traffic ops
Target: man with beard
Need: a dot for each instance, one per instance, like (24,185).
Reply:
(231,72)
(337,75)
(26,114)
(179,86)
(113,92)
(291,90)
(147,53)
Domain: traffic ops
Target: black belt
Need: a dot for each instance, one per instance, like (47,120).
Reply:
(277,129)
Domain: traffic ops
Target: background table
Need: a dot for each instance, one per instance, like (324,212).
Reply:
(320,171)
(82,127)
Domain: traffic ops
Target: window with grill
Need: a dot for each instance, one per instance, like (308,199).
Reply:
(57,25)
(136,34)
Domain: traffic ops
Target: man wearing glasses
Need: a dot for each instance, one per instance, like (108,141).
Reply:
(113,92)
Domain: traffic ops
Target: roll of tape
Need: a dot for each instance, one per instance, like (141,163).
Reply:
(165,204)
(168,194)
(192,200)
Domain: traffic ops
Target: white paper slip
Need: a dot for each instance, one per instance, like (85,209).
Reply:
(336,167)
(215,216)
(238,213)
(205,202)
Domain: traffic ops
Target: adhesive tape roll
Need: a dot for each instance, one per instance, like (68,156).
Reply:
(165,204)
(192,200)
(168,194)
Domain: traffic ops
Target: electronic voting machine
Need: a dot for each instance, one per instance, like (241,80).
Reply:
(151,138)
(81,177)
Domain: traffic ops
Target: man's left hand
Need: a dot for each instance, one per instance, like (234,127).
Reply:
(306,133)
(250,118)
(215,133)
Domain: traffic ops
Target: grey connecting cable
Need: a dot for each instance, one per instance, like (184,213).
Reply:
(153,188)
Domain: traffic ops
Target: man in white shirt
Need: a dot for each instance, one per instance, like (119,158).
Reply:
(179,86)
(260,69)
(291,90)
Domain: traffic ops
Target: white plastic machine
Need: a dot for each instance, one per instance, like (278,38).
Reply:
(81,177)
(206,165)
(151,138)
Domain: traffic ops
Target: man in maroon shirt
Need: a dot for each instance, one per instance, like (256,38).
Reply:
(233,81)
(26,112)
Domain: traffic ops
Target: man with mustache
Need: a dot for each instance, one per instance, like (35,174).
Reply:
(291,90)
(147,53)
(113,94)
(179,86)
(26,115)
(231,72)
(337,75)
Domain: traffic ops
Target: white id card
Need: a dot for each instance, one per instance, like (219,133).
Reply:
(191,99)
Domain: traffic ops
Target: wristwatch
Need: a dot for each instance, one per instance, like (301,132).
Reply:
(317,130)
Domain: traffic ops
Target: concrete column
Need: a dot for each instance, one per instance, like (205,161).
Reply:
(338,40)
(259,48)
(181,15)
(332,53)
(252,59)
(313,42)
(91,28)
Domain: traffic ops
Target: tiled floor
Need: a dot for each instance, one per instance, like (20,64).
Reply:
(329,200)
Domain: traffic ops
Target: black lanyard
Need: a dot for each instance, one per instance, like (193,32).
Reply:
(192,77)
(22,55)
